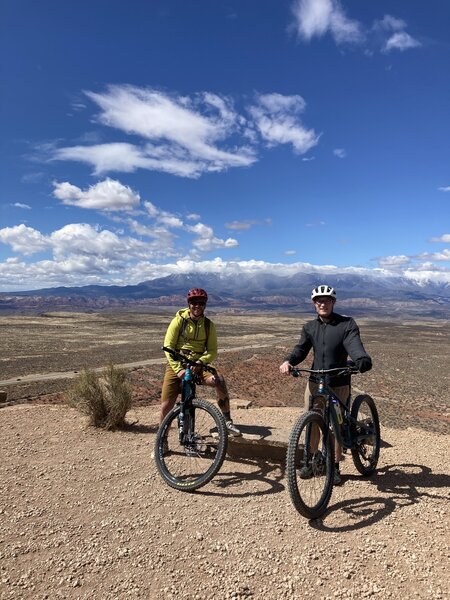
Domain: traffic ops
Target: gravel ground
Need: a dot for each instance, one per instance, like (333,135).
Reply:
(84,514)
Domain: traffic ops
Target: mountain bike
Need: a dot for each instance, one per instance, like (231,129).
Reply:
(191,441)
(310,454)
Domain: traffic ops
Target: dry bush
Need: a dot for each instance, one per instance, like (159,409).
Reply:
(105,398)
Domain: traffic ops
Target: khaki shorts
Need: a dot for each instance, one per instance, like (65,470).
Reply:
(171,387)
(341,391)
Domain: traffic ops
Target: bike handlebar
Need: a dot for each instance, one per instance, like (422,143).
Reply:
(348,370)
(185,360)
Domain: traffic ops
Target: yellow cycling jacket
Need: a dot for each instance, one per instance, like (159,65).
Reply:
(190,338)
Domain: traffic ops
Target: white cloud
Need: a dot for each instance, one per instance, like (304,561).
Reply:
(186,136)
(83,270)
(340,152)
(389,262)
(401,41)
(392,34)
(444,255)
(290,252)
(276,119)
(443,238)
(389,23)
(127,158)
(107,195)
(444,189)
(179,138)
(315,18)
(207,241)
(20,205)
(24,240)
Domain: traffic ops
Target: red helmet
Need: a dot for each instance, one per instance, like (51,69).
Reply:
(197,293)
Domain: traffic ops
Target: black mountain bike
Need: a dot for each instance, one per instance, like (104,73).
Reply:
(191,442)
(310,453)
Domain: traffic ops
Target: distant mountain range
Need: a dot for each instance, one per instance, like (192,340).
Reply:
(357,294)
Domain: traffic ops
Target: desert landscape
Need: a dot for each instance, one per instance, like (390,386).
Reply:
(84,514)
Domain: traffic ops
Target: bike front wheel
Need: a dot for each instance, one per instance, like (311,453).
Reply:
(310,465)
(191,463)
(365,434)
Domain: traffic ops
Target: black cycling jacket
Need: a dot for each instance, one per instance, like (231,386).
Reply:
(333,342)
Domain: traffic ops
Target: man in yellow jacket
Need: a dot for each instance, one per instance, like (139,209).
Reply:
(194,335)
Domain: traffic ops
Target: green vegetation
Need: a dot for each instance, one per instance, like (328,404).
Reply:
(105,398)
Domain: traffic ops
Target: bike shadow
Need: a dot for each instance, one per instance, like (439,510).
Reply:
(401,483)
(269,473)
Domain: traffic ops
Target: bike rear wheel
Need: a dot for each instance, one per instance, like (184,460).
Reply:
(192,464)
(365,434)
(310,465)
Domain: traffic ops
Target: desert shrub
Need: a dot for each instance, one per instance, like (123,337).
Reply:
(105,398)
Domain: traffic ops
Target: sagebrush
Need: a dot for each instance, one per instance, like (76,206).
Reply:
(104,397)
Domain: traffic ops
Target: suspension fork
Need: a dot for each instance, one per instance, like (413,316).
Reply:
(186,418)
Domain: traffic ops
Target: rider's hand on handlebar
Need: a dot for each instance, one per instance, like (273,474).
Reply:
(197,368)
(181,373)
(285,368)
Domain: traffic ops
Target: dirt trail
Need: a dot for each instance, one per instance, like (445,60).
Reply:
(35,377)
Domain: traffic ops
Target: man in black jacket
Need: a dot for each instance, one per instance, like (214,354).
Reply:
(333,338)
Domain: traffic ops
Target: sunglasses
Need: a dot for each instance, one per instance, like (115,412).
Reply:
(323,300)
(195,303)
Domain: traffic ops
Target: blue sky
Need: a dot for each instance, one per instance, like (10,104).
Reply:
(145,138)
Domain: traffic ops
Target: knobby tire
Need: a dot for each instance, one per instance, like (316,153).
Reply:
(189,467)
(366,434)
(310,496)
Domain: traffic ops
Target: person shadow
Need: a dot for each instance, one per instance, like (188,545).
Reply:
(400,485)
(265,477)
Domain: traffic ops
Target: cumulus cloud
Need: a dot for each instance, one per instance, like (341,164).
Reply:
(315,18)
(444,255)
(389,262)
(24,240)
(108,195)
(443,238)
(207,241)
(276,118)
(16,274)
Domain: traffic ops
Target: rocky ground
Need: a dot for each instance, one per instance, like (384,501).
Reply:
(84,514)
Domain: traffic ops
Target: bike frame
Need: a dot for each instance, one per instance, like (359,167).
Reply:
(331,400)
(330,414)
(186,418)
(186,425)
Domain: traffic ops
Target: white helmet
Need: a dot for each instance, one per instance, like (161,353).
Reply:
(323,290)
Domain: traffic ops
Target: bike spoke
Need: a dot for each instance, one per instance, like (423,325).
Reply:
(310,466)
(366,434)
(192,461)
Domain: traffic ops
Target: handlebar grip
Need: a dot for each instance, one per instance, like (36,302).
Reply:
(182,358)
